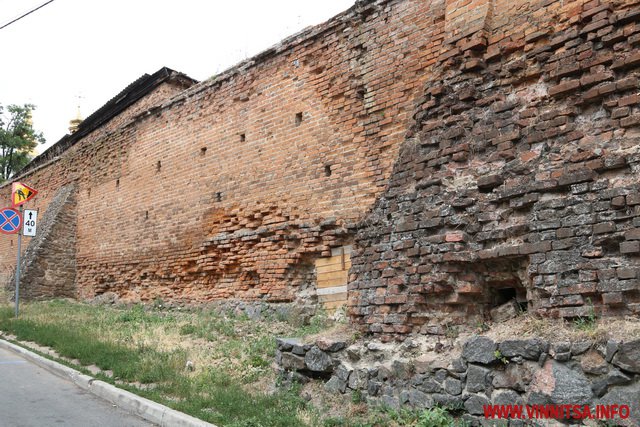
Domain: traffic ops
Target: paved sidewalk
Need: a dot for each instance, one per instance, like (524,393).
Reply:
(33,396)
(69,383)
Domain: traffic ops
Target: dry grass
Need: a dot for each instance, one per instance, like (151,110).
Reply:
(5,296)
(529,326)
(339,332)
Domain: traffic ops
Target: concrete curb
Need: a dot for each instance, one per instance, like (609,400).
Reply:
(134,404)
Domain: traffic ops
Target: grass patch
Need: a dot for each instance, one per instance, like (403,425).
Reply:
(589,322)
(146,345)
(231,382)
(142,364)
(435,417)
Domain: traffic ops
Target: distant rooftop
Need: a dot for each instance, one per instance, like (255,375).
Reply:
(116,105)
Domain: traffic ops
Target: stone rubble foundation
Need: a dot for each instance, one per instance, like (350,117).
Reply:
(481,372)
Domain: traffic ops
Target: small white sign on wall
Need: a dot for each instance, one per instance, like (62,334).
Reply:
(30,218)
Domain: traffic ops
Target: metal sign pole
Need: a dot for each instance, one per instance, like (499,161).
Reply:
(18,270)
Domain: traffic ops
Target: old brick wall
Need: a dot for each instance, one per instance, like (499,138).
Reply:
(515,181)
(519,177)
(102,124)
(61,165)
(236,186)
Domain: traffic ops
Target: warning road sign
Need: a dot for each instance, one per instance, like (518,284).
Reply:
(10,221)
(21,194)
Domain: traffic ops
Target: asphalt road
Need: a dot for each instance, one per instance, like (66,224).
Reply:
(33,397)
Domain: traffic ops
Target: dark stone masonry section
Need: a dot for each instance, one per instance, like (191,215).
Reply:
(511,372)
(518,182)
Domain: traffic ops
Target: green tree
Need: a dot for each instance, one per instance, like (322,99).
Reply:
(17,139)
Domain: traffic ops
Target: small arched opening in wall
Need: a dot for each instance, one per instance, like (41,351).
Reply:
(498,287)
(467,293)
(505,284)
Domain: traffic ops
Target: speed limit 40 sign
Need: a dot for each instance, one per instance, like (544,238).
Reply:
(30,219)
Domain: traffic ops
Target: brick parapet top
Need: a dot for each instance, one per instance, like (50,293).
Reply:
(303,36)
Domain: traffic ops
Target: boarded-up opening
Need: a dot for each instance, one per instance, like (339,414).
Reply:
(332,275)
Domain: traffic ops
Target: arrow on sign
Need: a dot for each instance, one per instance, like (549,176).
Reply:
(30,222)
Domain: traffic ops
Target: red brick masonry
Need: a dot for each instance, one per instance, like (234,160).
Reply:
(471,151)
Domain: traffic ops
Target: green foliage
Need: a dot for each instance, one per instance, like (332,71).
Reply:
(133,343)
(498,354)
(357,397)
(482,326)
(138,315)
(17,139)
(234,406)
(188,329)
(451,332)
(212,394)
(435,417)
(140,364)
(317,323)
(159,304)
(587,323)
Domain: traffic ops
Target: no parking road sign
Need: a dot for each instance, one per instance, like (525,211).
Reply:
(10,221)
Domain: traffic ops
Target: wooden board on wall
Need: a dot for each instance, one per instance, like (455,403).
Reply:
(332,274)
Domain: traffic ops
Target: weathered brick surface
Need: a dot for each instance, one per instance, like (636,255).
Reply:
(518,179)
(235,186)
(60,165)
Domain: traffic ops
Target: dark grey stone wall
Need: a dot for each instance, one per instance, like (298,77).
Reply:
(485,372)
(519,181)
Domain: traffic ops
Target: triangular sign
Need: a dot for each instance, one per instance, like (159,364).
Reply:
(21,194)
